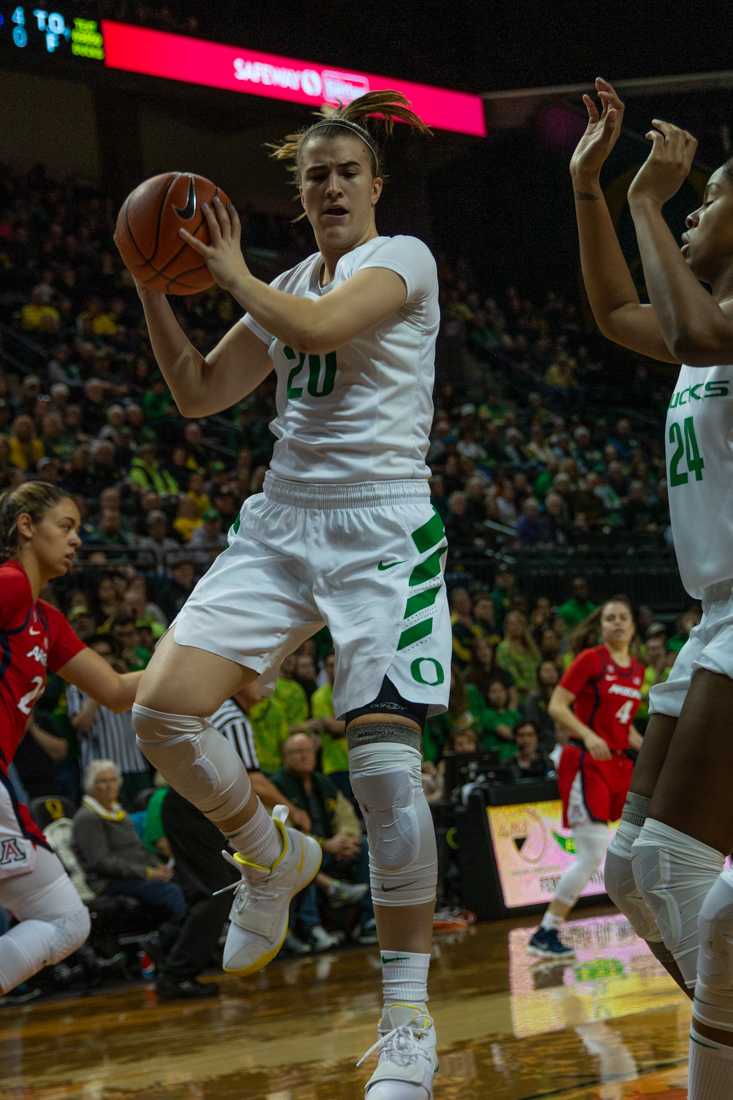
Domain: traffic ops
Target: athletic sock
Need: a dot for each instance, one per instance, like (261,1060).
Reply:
(711,1068)
(552,920)
(405,977)
(258,839)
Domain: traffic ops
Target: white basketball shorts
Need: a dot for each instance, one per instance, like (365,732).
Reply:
(366,560)
(710,646)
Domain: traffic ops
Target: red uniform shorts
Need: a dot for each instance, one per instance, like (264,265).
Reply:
(592,790)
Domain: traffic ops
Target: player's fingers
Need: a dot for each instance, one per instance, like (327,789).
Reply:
(213,223)
(657,141)
(194,242)
(222,213)
(616,100)
(590,108)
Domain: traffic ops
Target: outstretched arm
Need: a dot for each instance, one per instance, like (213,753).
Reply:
(611,292)
(92,675)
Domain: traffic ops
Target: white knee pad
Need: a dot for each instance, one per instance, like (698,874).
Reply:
(54,921)
(714,987)
(626,896)
(403,862)
(196,759)
(591,842)
(674,873)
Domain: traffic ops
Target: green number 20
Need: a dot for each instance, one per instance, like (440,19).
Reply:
(686,445)
(321,373)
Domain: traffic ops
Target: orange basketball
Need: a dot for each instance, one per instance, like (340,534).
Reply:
(147,227)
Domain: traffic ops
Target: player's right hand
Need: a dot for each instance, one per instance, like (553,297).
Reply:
(597,747)
(601,133)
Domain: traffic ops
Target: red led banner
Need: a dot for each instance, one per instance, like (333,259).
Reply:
(236,69)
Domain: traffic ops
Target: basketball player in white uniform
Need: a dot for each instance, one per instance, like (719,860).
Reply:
(343,534)
(665,867)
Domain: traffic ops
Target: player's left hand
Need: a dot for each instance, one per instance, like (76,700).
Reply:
(667,166)
(223,256)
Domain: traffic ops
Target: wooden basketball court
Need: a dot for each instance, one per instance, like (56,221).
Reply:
(610,1025)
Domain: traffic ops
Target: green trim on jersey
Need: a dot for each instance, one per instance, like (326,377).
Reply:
(421,601)
(429,534)
(415,633)
(429,568)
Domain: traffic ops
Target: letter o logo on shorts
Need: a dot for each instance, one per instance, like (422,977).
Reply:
(436,673)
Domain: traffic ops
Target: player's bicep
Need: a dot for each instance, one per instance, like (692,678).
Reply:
(233,369)
(561,697)
(359,303)
(635,326)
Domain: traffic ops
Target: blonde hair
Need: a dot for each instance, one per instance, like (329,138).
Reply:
(356,117)
(34,498)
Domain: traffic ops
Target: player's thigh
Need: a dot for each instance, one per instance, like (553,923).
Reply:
(652,754)
(693,792)
(41,894)
(182,679)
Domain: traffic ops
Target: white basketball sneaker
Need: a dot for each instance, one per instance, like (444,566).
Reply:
(259,914)
(407,1055)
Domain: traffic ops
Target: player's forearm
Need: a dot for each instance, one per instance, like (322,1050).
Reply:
(606,274)
(563,716)
(289,318)
(182,366)
(689,317)
(122,693)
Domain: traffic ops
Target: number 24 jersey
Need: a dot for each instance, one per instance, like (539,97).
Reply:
(34,638)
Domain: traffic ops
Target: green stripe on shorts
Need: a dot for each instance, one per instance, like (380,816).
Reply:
(235,526)
(421,600)
(429,568)
(415,633)
(430,533)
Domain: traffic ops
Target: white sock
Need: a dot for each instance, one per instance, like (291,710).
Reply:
(405,977)
(258,839)
(552,920)
(711,1068)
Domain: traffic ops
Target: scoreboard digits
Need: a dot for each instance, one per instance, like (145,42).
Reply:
(25,27)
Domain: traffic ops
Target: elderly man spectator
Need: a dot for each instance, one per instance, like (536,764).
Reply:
(334,823)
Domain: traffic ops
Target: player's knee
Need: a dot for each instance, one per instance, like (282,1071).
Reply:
(67,933)
(387,801)
(714,987)
(624,893)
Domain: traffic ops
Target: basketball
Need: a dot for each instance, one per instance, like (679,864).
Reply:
(147,227)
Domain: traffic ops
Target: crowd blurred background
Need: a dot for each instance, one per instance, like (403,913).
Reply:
(548,472)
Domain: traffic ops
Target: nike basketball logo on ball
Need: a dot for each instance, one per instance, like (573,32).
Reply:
(189,209)
(389,565)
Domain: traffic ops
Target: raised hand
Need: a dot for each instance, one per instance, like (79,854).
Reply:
(601,133)
(223,256)
(667,166)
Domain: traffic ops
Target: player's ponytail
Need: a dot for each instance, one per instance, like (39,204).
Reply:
(370,117)
(33,498)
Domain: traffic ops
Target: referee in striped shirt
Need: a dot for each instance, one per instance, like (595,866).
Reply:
(104,735)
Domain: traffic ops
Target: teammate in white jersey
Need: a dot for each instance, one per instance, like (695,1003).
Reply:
(665,867)
(343,534)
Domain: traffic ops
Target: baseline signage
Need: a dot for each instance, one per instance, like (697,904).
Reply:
(236,69)
(532,849)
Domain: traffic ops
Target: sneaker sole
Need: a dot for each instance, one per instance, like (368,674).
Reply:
(263,960)
(541,954)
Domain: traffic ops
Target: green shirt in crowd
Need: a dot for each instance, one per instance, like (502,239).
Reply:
(153,829)
(573,611)
(521,664)
(270,727)
(293,700)
(334,750)
(490,740)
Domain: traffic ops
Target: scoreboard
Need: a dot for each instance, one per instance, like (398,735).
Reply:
(25,27)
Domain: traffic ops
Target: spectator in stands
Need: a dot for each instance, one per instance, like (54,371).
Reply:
(484,668)
(532,526)
(658,664)
(504,587)
(579,606)
(517,653)
(534,709)
(157,541)
(38,315)
(466,709)
(25,446)
(530,762)
(498,722)
(291,696)
(268,719)
(208,540)
(333,822)
(146,472)
(306,675)
(463,626)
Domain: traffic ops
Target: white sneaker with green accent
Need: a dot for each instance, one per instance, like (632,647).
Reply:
(259,914)
(407,1055)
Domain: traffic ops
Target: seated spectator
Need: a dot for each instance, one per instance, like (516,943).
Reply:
(499,720)
(466,707)
(517,653)
(484,618)
(534,708)
(579,606)
(291,696)
(188,518)
(157,542)
(146,473)
(530,762)
(658,665)
(208,540)
(333,823)
(269,723)
(484,668)
(532,526)
(463,625)
(38,315)
(112,855)
(25,446)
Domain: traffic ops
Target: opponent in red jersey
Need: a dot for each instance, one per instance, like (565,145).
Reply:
(595,701)
(39,535)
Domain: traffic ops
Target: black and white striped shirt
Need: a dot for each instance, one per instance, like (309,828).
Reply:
(231,720)
(111,737)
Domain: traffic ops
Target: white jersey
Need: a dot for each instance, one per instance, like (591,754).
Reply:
(699,446)
(362,413)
